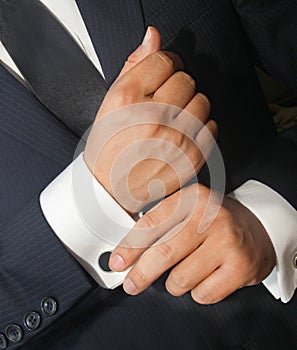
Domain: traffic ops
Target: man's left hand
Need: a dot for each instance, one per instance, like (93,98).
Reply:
(232,252)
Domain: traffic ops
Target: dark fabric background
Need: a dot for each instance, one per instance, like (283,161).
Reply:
(35,147)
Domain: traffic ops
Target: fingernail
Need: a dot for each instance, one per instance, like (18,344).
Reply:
(116,262)
(147,37)
(129,286)
(199,295)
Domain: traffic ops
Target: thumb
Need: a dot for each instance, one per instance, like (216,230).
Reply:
(150,44)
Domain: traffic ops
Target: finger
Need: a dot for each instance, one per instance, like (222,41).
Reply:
(193,269)
(158,259)
(150,44)
(179,242)
(193,117)
(216,287)
(203,135)
(199,106)
(149,74)
(206,139)
(178,90)
(150,227)
(191,120)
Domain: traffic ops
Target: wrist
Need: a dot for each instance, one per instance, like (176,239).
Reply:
(262,255)
(104,180)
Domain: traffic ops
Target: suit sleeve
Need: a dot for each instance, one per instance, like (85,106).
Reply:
(34,265)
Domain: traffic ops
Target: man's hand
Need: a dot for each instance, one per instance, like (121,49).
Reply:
(234,251)
(155,80)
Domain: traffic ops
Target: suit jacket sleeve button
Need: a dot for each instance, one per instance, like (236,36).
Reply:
(32,320)
(49,306)
(14,333)
(295,261)
(3,342)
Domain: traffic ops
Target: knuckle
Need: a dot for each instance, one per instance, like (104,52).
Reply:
(133,58)
(122,100)
(228,233)
(122,93)
(229,242)
(166,252)
(165,59)
(225,216)
(150,130)
(179,279)
(148,220)
(187,77)
(179,140)
(204,100)
(139,277)
(118,87)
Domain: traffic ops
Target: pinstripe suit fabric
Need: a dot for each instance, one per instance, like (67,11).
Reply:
(124,21)
(35,147)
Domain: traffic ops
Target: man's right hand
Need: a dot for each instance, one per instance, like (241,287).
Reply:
(155,77)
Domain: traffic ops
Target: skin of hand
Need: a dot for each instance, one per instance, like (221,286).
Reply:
(150,75)
(234,251)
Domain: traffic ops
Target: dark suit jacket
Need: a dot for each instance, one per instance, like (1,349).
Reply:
(219,48)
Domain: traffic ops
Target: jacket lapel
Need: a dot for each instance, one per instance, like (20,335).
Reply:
(116,28)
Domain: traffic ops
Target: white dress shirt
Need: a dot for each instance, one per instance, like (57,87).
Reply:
(89,222)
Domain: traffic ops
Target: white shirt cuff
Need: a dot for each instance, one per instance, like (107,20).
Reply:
(279,219)
(86,219)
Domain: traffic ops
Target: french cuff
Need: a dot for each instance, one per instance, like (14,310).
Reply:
(279,219)
(88,221)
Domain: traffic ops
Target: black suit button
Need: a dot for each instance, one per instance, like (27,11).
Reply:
(49,306)
(295,261)
(14,333)
(3,342)
(32,320)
